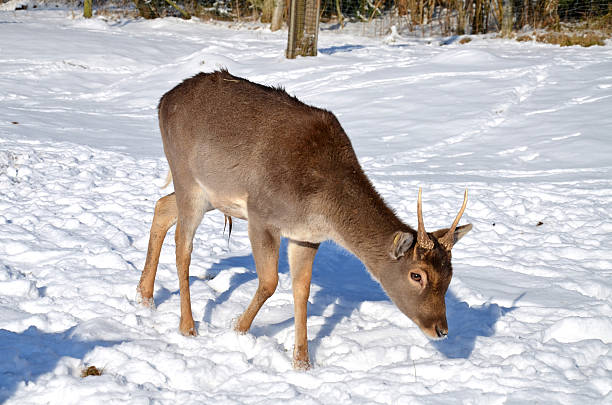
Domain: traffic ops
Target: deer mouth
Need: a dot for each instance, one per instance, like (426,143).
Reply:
(441,333)
(436,332)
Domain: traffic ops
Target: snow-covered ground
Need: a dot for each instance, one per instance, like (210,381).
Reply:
(526,127)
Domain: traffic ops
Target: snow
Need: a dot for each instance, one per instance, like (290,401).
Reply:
(525,126)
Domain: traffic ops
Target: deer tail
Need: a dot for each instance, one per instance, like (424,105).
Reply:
(168,179)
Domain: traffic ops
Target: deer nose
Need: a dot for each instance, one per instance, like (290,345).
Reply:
(441,332)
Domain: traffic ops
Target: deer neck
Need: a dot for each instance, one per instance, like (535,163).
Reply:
(366,226)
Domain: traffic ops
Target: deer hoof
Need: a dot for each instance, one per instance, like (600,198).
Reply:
(301,365)
(147,302)
(188,329)
(190,332)
(301,359)
(238,328)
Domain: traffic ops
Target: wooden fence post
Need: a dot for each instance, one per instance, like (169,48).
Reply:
(277,15)
(303,28)
(87,9)
(507,18)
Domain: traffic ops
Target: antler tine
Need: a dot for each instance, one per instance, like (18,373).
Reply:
(448,240)
(422,238)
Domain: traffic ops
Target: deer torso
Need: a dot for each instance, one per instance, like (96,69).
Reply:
(257,150)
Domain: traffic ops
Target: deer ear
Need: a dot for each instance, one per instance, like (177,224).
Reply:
(401,243)
(459,233)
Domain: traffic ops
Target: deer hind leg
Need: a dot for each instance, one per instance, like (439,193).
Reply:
(192,205)
(265,244)
(163,219)
(301,257)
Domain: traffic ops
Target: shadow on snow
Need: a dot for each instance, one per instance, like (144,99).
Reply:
(344,284)
(343,48)
(466,324)
(27,355)
(343,281)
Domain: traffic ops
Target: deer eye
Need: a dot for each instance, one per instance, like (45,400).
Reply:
(415,276)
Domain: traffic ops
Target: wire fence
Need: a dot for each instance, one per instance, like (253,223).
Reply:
(377,17)
(469,16)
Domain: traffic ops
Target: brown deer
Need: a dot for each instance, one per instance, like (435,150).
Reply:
(254,152)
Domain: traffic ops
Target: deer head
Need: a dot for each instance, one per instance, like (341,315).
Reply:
(420,271)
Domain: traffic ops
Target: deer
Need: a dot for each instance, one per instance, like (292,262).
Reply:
(258,154)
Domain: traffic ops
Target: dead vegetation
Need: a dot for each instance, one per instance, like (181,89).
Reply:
(524,38)
(585,39)
(568,38)
(91,370)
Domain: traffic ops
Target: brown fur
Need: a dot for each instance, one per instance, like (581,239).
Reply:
(256,153)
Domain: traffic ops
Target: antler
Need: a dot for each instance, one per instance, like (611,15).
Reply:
(448,240)
(422,238)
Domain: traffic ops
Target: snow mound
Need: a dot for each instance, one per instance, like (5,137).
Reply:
(575,329)
(470,57)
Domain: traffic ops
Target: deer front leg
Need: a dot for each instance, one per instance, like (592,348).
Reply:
(301,257)
(164,217)
(191,208)
(265,244)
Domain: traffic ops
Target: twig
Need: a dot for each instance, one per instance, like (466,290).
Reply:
(184,13)
(376,6)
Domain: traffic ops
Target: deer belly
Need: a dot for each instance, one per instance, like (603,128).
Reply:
(236,209)
(233,206)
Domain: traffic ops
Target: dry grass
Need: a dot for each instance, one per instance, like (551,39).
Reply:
(585,39)
(570,35)
(91,370)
